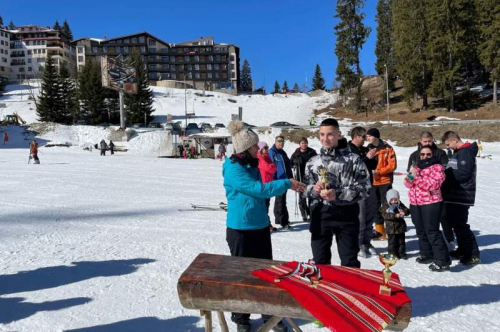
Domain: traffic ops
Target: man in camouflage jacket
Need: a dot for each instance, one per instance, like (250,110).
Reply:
(335,209)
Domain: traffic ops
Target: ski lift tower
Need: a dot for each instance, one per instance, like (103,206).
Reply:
(120,76)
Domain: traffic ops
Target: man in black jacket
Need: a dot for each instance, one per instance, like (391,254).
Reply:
(459,194)
(367,207)
(299,159)
(426,139)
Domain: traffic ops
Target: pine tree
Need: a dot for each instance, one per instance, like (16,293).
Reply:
(277,88)
(318,82)
(2,84)
(67,30)
(410,43)
(56,26)
(285,86)
(296,88)
(1,21)
(140,105)
(48,104)
(246,77)
(69,111)
(351,35)
(451,45)
(489,45)
(385,42)
(91,93)
(12,26)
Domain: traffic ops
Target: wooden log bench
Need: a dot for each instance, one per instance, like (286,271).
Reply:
(226,284)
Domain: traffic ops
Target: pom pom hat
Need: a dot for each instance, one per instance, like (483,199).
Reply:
(243,137)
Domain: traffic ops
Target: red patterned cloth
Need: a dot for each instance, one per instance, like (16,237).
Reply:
(346,299)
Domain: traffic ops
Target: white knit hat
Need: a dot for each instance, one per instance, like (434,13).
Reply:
(392,193)
(243,137)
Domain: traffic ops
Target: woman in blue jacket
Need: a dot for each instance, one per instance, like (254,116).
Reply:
(247,231)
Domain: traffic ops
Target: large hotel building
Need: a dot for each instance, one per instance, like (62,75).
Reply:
(28,48)
(199,63)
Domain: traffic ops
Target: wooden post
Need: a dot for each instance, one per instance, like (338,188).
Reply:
(208,321)
(222,321)
(293,325)
(272,322)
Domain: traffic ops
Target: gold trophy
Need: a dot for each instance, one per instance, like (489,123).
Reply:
(322,177)
(387,260)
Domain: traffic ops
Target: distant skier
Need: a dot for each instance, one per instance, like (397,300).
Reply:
(181,150)
(222,151)
(103,147)
(34,151)
(111,147)
(192,150)
(5,138)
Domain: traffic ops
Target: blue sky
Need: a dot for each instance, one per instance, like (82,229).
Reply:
(282,40)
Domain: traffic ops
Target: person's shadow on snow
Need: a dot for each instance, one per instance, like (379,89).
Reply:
(55,276)
(14,308)
(449,297)
(150,324)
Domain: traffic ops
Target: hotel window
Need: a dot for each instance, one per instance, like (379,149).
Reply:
(196,67)
(118,49)
(217,58)
(29,60)
(94,49)
(125,49)
(196,58)
(216,66)
(30,69)
(189,67)
(126,41)
(164,58)
(142,39)
(209,75)
(209,66)
(80,49)
(210,58)
(152,42)
(216,75)
(186,58)
(43,51)
(152,50)
(80,59)
(152,67)
(105,49)
(231,58)
(143,49)
(197,76)
(186,49)
(174,76)
(164,50)
(134,40)
(40,60)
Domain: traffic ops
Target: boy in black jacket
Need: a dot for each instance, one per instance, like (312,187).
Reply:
(394,212)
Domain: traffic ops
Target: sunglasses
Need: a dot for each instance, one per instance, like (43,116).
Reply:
(280,141)
(426,155)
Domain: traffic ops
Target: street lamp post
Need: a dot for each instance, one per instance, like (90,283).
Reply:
(387,89)
(185,101)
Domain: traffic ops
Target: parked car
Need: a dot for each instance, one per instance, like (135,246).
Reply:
(138,125)
(192,128)
(219,125)
(176,127)
(283,124)
(205,126)
(154,125)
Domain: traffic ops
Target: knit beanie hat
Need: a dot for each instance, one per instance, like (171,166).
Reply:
(392,193)
(373,132)
(243,137)
(262,145)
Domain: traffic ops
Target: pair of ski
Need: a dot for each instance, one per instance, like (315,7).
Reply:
(194,207)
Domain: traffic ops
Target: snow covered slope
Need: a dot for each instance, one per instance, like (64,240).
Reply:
(214,107)
(91,243)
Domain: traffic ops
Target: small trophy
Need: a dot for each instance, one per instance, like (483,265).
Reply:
(387,260)
(322,177)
